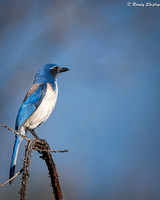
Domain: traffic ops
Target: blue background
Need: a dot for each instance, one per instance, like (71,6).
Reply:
(108,108)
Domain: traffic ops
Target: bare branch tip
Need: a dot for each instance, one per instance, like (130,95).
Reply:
(9,180)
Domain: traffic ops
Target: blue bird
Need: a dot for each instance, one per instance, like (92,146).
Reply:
(37,105)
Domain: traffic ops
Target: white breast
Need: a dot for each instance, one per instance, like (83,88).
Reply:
(45,108)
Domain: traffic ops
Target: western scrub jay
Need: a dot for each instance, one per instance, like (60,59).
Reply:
(37,105)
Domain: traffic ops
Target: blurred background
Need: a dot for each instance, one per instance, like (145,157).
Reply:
(108,108)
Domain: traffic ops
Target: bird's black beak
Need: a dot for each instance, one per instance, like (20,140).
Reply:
(64,69)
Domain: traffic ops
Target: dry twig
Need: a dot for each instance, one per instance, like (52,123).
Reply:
(28,139)
(43,148)
(26,165)
(10,129)
(51,151)
(51,168)
(11,178)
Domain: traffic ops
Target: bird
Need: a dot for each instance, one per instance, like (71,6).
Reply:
(37,105)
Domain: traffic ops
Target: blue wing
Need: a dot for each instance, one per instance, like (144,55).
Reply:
(31,102)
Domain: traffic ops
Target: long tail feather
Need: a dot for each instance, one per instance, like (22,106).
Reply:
(14,156)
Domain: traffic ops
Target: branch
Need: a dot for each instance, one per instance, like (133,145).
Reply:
(11,178)
(52,170)
(26,165)
(43,148)
(28,139)
(10,129)
(51,151)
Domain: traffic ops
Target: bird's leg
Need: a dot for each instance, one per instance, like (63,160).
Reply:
(33,133)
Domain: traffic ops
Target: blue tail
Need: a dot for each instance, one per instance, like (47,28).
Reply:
(14,157)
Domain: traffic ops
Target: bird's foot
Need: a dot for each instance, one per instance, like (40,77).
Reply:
(33,133)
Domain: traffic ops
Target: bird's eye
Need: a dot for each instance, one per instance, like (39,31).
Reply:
(55,68)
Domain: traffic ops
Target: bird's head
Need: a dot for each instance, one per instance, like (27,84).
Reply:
(55,70)
(49,73)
